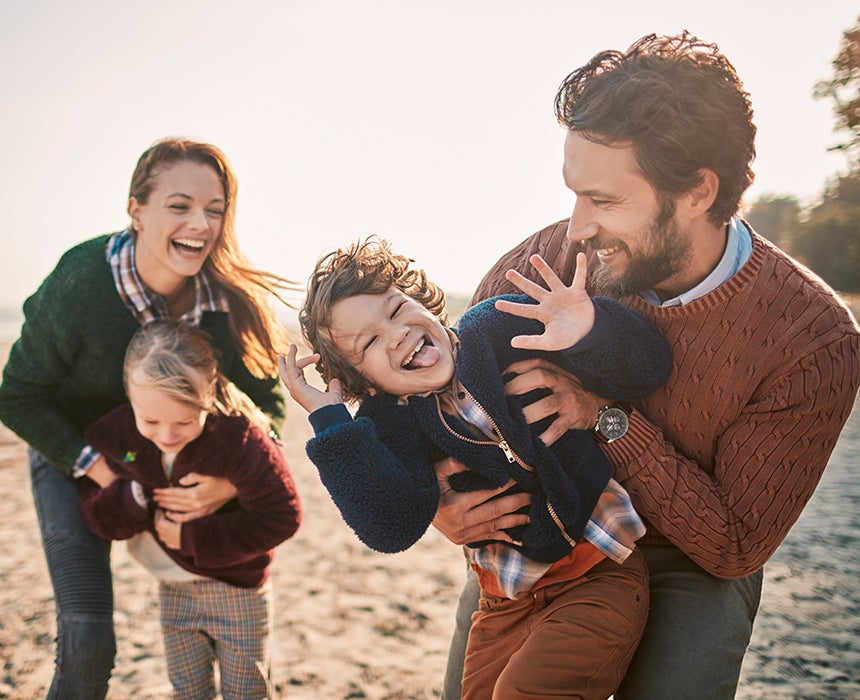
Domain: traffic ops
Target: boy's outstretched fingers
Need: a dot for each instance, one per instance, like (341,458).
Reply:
(292,375)
(566,312)
(525,285)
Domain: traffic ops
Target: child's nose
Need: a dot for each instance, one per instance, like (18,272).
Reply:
(398,335)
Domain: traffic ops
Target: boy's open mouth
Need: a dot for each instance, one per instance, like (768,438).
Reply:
(425,354)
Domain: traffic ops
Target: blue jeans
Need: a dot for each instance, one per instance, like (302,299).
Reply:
(79,565)
(697,633)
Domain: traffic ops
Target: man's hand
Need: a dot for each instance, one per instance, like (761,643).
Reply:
(465,517)
(196,496)
(574,405)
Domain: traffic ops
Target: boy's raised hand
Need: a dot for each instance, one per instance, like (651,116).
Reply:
(293,376)
(567,313)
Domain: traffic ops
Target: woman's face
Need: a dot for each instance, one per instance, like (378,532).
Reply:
(178,226)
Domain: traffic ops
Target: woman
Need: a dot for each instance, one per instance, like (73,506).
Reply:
(179,259)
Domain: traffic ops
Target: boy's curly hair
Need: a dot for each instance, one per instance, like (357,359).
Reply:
(365,267)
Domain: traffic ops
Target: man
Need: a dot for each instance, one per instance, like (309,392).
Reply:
(721,461)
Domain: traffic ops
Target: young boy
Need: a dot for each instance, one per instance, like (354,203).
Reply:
(564,601)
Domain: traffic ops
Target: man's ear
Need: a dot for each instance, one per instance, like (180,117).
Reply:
(700,198)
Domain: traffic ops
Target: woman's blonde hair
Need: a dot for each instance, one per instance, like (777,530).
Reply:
(253,325)
(178,360)
(365,267)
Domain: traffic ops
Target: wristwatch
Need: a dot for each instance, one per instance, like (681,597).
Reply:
(612,423)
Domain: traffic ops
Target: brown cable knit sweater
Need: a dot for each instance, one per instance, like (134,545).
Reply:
(724,457)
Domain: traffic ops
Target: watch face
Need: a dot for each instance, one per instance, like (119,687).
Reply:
(612,423)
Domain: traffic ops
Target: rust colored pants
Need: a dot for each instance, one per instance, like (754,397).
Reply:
(573,639)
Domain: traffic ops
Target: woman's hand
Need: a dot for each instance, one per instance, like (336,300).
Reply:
(196,496)
(465,517)
(168,531)
(308,397)
(573,405)
(567,313)
(101,473)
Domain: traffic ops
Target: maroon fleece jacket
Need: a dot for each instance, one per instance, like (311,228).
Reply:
(235,544)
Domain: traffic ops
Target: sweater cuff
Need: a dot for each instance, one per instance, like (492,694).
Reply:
(639,446)
(328,416)
(598,335)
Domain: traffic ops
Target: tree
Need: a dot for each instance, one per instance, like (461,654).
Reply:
(829,240)
(775,217)
(827,237)
(844,89)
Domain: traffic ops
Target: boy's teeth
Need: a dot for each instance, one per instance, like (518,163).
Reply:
(417,348)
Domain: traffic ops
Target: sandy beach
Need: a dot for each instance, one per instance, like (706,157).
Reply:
(351,623)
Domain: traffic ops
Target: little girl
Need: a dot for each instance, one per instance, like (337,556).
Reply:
(184,416)
(564,599)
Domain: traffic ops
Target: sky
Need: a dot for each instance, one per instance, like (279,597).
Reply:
(429,123)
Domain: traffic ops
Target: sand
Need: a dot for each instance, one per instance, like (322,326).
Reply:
(352,623)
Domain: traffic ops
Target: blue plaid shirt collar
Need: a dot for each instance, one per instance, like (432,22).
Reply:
(144,304)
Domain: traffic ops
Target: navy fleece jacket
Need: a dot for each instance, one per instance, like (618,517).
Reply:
(378,467)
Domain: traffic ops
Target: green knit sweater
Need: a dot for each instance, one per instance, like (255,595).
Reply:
(66,368)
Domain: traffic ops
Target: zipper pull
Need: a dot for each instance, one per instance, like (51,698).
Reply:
(503,446)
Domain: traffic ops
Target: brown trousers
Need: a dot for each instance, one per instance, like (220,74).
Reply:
(572,639)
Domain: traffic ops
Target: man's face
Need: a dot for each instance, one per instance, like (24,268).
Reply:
(638,242)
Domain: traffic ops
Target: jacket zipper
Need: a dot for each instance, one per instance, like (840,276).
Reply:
(502,444)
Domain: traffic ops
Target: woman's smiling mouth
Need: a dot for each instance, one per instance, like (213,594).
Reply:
(188,245)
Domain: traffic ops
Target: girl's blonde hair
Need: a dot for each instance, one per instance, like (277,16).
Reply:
(365,267)
(178,360)
(253,325)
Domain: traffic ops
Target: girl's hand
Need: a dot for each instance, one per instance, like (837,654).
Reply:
(567,313)
(197,495)
(169,532)
(308,397)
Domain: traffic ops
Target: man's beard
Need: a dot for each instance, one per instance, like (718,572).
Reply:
(646,271)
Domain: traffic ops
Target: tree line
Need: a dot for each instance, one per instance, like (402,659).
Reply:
(826,236)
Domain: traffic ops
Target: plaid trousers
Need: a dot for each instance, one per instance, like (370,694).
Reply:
(205,621)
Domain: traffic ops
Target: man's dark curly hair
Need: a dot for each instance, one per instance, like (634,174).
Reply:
(365,267)
(680,104)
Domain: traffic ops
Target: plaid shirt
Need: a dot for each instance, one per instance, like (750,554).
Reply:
(613,528)
(147,306)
